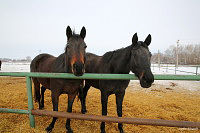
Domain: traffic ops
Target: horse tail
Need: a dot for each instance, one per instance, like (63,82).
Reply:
(35,99)
(36,89)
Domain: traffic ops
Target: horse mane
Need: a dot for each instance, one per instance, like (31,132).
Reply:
(108,55)
(60,63)
(74,35)
(141,43)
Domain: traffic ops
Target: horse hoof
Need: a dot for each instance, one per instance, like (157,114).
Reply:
(49,129)
(103,131)
(41,108)
(70,131)
(121,131)
(83,111)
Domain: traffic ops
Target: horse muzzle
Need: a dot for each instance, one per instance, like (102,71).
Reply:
(146,80)
(78,69)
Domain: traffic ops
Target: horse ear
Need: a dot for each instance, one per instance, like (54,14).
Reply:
(134,39)
(83,32)
(148,40)
(68,32)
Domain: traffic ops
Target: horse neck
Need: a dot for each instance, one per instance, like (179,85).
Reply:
(120,61)
(62,65)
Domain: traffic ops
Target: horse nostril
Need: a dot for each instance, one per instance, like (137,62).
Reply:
(148,79)
(144,78)
(74,65)
(152,80)
(78,68)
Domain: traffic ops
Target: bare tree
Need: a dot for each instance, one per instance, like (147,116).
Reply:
(188,55)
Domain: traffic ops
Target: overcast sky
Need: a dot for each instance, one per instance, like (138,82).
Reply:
(28,28)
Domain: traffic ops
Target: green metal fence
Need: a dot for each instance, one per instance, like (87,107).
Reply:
(28,76)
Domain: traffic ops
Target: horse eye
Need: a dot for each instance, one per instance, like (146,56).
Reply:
(67,46)
(85,46)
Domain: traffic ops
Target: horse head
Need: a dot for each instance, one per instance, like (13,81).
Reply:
(141,61)
(75,51)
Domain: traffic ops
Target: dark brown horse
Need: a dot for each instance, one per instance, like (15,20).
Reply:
(135,58)
(71,61)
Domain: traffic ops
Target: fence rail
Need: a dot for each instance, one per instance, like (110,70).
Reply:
(155,122)
(177,68)
(137,121)
(98,76)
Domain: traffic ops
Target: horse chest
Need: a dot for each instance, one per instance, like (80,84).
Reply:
(65,86)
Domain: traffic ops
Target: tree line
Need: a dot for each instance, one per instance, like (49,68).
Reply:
(187,55)
(27,59)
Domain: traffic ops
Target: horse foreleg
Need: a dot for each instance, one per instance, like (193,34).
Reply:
(55,98)
(80,90)
(104,103)
(43,89)
(119,101)
(83,101)
(69,109)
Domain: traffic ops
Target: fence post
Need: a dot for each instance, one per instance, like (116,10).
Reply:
(196,70)
(167,68)
(153,66)
(30,101)
(175,69)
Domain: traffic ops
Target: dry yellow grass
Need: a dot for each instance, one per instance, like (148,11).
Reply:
(157,102)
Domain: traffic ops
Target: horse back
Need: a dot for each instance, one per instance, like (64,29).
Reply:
(92,64)
(42,63)
(103,64)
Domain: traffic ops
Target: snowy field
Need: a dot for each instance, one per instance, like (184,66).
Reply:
(15,67)
(170,69)
(164,69)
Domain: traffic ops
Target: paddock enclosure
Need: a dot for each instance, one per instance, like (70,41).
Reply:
(170,101)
